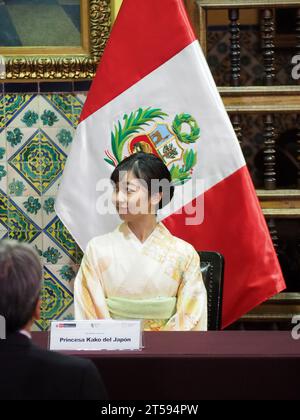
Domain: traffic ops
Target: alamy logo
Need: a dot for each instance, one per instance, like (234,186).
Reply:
(296,67)
(2,328)
(296,329)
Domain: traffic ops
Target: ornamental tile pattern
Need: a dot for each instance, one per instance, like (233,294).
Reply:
(36,134)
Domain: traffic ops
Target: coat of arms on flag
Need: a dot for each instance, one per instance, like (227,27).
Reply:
(146,130)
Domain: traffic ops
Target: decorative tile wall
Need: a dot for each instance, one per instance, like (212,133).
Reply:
(36,133)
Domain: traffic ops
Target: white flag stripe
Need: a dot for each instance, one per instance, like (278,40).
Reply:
(184,84)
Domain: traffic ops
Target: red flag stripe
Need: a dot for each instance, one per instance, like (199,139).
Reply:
(235,226)
(142,39)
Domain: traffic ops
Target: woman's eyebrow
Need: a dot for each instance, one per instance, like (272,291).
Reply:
(131,184)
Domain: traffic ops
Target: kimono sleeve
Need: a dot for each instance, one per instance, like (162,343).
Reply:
(89,297)
(191,310)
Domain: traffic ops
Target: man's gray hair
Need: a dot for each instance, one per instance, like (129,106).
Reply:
(20,283)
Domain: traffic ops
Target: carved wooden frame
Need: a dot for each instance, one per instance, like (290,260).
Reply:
(205,5)
(62,63)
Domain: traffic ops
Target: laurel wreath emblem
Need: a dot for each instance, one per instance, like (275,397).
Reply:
(141,118)
(192,123)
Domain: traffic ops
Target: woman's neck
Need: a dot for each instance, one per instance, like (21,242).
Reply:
(143,227)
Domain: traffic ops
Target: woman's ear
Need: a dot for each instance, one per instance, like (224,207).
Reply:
(156,199)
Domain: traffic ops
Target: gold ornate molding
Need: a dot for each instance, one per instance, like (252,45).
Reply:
(63,63)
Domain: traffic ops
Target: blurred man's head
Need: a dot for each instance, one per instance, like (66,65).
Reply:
(20,285)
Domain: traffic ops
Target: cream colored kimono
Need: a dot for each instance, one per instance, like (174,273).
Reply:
(158,281)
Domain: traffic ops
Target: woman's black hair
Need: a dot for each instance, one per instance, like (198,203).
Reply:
(147,167)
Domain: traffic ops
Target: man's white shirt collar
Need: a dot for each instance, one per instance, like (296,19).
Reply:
(26,333)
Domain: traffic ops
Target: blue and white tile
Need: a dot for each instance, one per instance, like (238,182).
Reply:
(54,254)
(17,186)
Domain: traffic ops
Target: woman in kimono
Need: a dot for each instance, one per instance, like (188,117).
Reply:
(140,270)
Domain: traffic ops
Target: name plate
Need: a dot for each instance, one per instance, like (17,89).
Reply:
(96,335)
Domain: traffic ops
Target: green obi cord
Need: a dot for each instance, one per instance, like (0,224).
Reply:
(156,308)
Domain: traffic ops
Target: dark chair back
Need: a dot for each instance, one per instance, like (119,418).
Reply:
(212,268)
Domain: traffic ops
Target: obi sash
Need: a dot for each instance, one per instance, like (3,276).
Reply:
(161,308)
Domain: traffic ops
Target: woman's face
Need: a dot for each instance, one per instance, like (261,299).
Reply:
(131,198)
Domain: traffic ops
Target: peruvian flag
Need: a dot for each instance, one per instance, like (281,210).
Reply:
(154,92)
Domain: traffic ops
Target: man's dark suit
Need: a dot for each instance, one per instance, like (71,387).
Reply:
(30,373)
